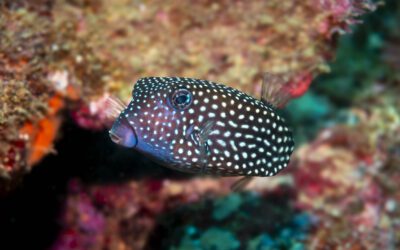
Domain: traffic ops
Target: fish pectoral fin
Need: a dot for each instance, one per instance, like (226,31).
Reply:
(206,131)
(274,90)
(204,148)
(200,138)
(240,184)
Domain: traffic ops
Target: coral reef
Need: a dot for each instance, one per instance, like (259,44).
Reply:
(266,221)
(115,217)
(341,190)
(347,174)
(347,177)
(22,95)
(33,92)
(58,55)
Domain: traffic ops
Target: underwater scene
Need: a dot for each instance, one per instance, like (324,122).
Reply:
(200,125)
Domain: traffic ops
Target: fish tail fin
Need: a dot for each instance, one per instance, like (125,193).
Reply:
(240,184)
(273,89)
(115,106)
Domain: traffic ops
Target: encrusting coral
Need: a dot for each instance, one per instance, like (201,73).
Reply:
(347,177)
(58,55)
(33,89)
(343,184)
(113,216)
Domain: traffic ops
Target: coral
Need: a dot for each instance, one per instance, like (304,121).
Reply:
(213,238)
(310,113)
(115,217)
(33,91)
(251,217)
(224,207)
(82,51)
(58,56)
(21,49)
(292,237)
(341,190)
(90,226)
(346,177)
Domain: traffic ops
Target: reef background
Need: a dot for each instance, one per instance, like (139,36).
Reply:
(64,185)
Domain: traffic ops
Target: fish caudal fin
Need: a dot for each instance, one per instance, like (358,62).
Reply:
(273,89)
(114,107)
(240,184)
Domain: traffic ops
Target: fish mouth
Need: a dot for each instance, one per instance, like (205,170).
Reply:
(123,135)
(115,138)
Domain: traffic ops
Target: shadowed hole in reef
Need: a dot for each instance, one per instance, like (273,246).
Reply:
(29,214)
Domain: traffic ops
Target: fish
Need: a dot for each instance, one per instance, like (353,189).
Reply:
(203,127)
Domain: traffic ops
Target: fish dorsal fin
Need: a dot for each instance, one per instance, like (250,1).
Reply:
(273,89)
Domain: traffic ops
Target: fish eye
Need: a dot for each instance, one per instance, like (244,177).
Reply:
(181,99)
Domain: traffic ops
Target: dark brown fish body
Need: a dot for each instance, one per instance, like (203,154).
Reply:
(199,126)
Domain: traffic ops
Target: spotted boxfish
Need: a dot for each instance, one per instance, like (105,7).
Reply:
(199,126)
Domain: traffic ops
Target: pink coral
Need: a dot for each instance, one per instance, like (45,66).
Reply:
(340,14)
(344,178)
(94,114)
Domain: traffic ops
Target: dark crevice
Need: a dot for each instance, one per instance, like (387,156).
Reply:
(29,214)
